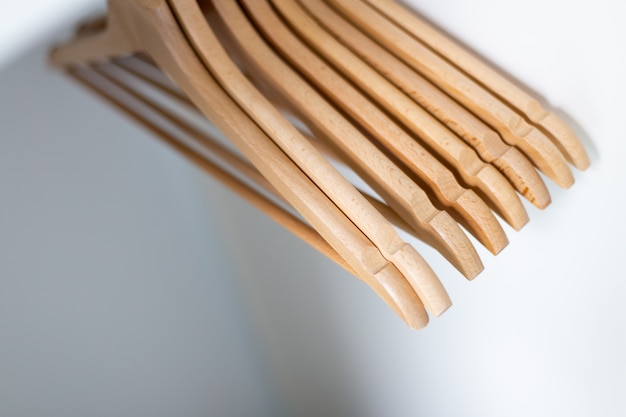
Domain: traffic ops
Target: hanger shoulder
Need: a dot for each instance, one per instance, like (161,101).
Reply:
(307,158)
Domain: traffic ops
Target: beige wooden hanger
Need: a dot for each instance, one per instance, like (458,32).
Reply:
(555,128)
(463,204)
(511,126)
(310,161)
(483,178)
(229,180)
(225,155)
(260,201)
(431,225)
(129,65)
(222,153)
(150,26)
(487,143)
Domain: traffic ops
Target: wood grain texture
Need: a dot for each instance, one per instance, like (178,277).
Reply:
(309,160)
(389,181)
(556,129)
(510,125)
(154,29)
(463,204)
(444,144)
(439,223)
(484,140)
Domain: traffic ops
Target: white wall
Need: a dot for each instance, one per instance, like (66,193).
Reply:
(131,285)
(117,297)
(26,23)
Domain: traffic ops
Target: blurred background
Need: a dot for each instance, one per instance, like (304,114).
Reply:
(131,284)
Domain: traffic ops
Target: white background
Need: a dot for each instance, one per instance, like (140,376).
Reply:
(132,285)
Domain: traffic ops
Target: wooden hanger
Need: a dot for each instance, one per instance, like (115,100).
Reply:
(228,179)
(463,204)
(260,201)
(431,225)
(132,66)
(511,126)
(432,139)
(484,179)
(555,128)
(129,66)
(310,161)
(484,140)
(150,26)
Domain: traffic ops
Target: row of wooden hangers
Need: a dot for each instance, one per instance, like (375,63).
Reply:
(299,87)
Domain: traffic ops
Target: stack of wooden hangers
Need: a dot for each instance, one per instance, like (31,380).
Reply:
(302,87)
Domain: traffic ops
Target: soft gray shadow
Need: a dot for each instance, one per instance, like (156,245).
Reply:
(116,296)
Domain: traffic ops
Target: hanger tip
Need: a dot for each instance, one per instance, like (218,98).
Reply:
(551,161)
(502,198)
(481,222)
(566,140)
(396,291)
(524,177)
(455,246)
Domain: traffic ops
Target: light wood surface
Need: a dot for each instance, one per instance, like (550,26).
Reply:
(151,26)
(309,160)
(219,152)
(511,126)
(484,140)
(130,66)
(484,179)
(433,226)
(463,204)
(556,129)
(364,82)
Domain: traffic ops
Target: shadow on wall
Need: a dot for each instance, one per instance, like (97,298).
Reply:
(117,296)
